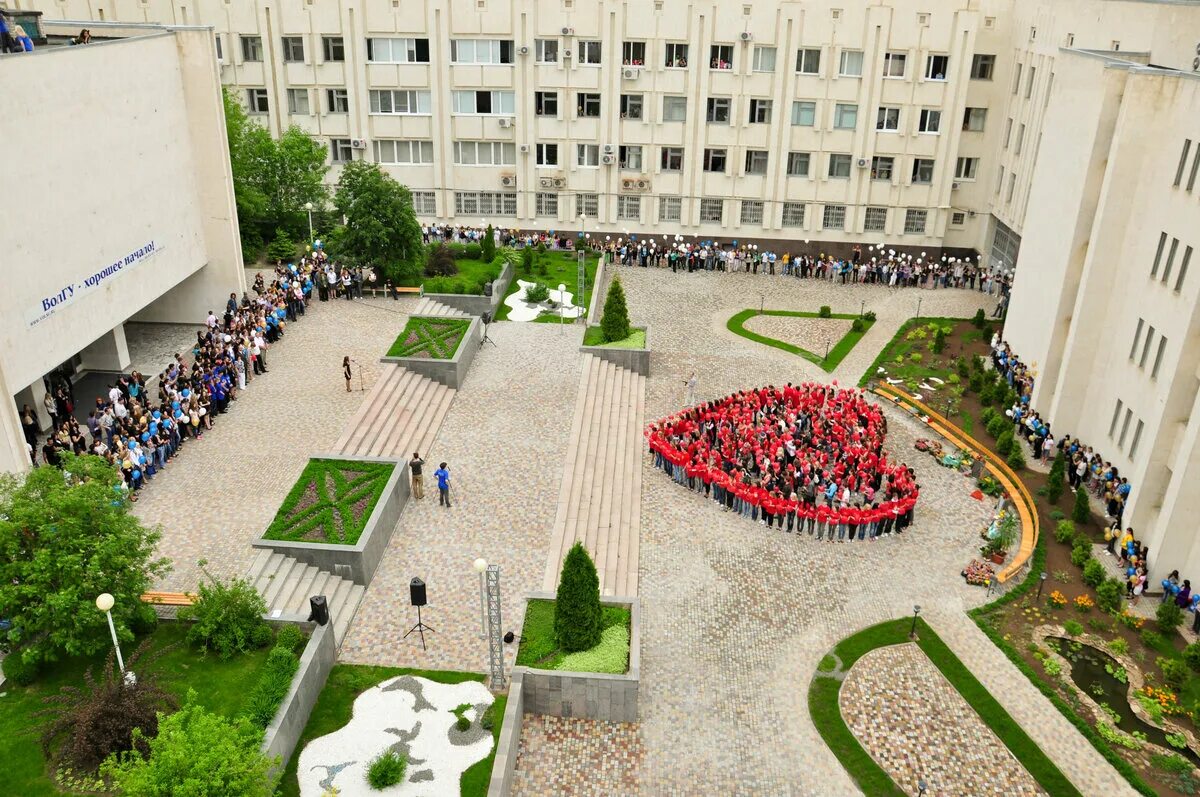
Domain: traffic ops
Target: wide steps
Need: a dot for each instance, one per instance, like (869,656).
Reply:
(599,500)
(429,306)
(402,414)
(286,584)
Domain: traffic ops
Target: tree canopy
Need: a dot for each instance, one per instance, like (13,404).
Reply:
(381,227)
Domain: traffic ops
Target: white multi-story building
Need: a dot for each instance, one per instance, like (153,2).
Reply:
(913,123)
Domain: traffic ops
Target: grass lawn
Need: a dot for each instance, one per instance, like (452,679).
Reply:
(897,356)
(736,325)
(330,502)
(472,273)
(594,336)
(336,703)
(871,778)
(561,268)
(539,648)
(221,686)
(431,338)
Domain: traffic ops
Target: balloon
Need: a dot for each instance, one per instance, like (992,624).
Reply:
(132,445)
(137,474)
(141,460)
(145,436)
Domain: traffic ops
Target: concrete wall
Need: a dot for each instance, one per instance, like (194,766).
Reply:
(509,744)
(316,661)
(452,372)
(355,562)
(636,360)
(478,305)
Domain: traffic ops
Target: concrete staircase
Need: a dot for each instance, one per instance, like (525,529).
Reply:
(428,306)
(599,501)
(287,584)
(402,414)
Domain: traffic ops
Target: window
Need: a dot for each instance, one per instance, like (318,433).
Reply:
(589,53)
(485,153)
(714,160)
(798,163)
(333,48)
(483,102)
(398,51)
(835,217)
(712,210)
(1137,336)
(676,55)
(974,119)
(808,61)
(403,153)
(894,64)
(1012,186)
(804,113)
(340,150)
(545,103)
(1124,428)
(875,219)
(1000,181)
(633,53)
(887,119)
(914,221)
(1183,156)
(760,112)
(922,170)
(756,161)
(1137,436)
(545,204)
(1116,416)
(545,51)
(851,64)
(845,117)
(631,106)
(1162,243)
(670,208)
(674,109)
(221,50)
(485,203)
(297,101)
(629,208)
(839,166)
(936,67)
(793,214)
(982,66)
(1020,138)
(720,56)
(930,121)
(257,100)
(337,100)
(629,157)
(587,105)
(966,168)
(587,155)
(1195,168)
(718,110)
(1158,355)
(1146,346)
(672,159)
(252,48)
(1170,260)
(882,167)
(1016,80)
(764,59)
(481,51)
(293,49)
(546,154)
(752,211)
(384,101)
(1029,83)
(424,203)
(958,218)
(1183,268)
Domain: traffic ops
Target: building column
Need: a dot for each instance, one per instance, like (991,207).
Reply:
(34,395)
(108,353)
(13,456)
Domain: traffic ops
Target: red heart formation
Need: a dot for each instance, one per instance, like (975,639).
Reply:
(811,452)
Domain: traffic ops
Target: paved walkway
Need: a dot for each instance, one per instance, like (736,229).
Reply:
(918,728)
(578,757)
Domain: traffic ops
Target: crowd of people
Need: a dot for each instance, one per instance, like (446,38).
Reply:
(808,458)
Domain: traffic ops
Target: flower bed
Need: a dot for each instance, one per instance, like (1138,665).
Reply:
(331,502)
(539,649)
(433,338)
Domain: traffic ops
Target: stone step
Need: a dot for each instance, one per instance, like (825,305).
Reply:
(359,422)
(345,613)
(299,604)
(260,562)
(297,582)
(284,578)
(268,571)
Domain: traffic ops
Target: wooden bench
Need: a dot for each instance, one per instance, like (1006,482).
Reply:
(398,290)
(169,598)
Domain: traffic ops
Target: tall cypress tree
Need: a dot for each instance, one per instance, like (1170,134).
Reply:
(577,615)
(615,321)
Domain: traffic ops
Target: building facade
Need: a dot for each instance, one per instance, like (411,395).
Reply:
(911,123)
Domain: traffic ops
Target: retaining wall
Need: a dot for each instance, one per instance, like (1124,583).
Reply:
(509,743)
(452,372)
(636,360)
(478,305)
(316,661)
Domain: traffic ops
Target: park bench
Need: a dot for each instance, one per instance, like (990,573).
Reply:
(169,598)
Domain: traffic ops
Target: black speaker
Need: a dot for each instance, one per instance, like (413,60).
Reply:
(416,592)
(318,609)
(487,318)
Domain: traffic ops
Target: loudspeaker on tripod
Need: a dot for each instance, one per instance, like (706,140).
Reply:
(416,592)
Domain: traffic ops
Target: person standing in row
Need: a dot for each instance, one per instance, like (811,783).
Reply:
(443,479)
(418,480)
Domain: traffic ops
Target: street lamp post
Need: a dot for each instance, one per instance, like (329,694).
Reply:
(309,207)
(918,307)
(104,602)
(581,257)
(912,632)
(481,569)
(1041,583)
(562,293)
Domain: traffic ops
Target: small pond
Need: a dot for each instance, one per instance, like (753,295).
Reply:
(1088,671)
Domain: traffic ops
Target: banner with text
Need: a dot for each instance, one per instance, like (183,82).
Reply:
(73,292)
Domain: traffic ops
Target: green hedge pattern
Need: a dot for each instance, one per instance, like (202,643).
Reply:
(436,338)
(837,353)
(346,492)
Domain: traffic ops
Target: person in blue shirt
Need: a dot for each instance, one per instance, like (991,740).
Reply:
(443,479)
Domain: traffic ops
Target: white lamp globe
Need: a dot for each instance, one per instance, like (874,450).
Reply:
(104,601)
(481,563)
(308,206)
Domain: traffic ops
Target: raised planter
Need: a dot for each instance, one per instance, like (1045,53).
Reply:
(636,360)
(509,744)
(355,562)
(478,305)
(451,372)
(316,660)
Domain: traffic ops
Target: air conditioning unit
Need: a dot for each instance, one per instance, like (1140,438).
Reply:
(506,122)
(566,54)
(548,182)
(508,180)
(862,162)
(630,73)
(955,186)
(567,31)
(608,149)
(608,160)
(747,36)
(643,185)
(560,182)
(524,148)
(358,143)
(629,184)
(524,50)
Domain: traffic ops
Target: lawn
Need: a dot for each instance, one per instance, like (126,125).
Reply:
(336,703)
(430,338)
(220,686)
(540,649)
(553,268)
(736,325)
(594,336)
(915,337)
(330,502)
(871,778)
(472,274)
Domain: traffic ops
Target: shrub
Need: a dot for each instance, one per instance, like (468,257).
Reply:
(228,617)
(1080,555)
(1119,646)
(1108,595)
(986,415)
(439,262)
(1016,458)
(1175,672)
(857,325)
(961,368)
(825,311)
(577,613)
(488,720)
(987,395)
(1005,443)
(1151,638)
(610,656)
(537,293)
(387,770)
(463,724)
(869,315)
(144,620)
(915,357)
(472,252)
(1064,532)
(975,382)
(1057,515)
(615,320)
(487,247)
(527,260)
(1168,616)
(290,637)
(1191,655)
(282,248)
(997,425)
(1082,510)
(1173,763)
(273,684)
(1073,627)
(20,671)
(980,320)
(938,345)
(1093,573)
(1054,482)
